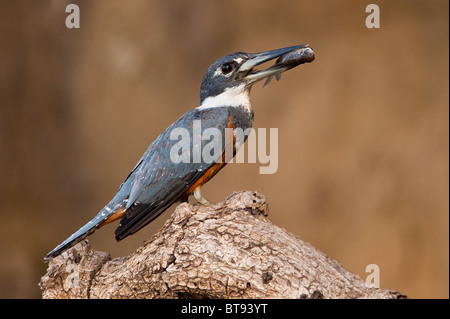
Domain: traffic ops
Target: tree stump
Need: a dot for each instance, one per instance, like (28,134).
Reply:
(228,250)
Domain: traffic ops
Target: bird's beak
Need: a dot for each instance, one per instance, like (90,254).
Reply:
(288,58)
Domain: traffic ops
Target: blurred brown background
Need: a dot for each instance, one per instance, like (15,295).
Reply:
(363,131)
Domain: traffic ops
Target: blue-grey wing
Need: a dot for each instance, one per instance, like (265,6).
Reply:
(157,182)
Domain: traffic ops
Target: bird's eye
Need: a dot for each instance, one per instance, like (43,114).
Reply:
(226,68)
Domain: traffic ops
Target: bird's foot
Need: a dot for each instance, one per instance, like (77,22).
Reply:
(199,198)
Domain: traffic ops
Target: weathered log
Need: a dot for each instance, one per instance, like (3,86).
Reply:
(229,250)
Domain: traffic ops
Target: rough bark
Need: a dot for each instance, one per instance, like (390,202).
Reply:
(229,250)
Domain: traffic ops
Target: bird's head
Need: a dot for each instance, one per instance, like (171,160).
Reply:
(231,77)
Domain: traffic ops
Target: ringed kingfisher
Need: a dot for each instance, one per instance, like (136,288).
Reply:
(156,182)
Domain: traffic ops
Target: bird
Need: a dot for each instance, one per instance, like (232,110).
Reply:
(160,178)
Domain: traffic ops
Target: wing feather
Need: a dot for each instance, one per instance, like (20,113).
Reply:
(158,182)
